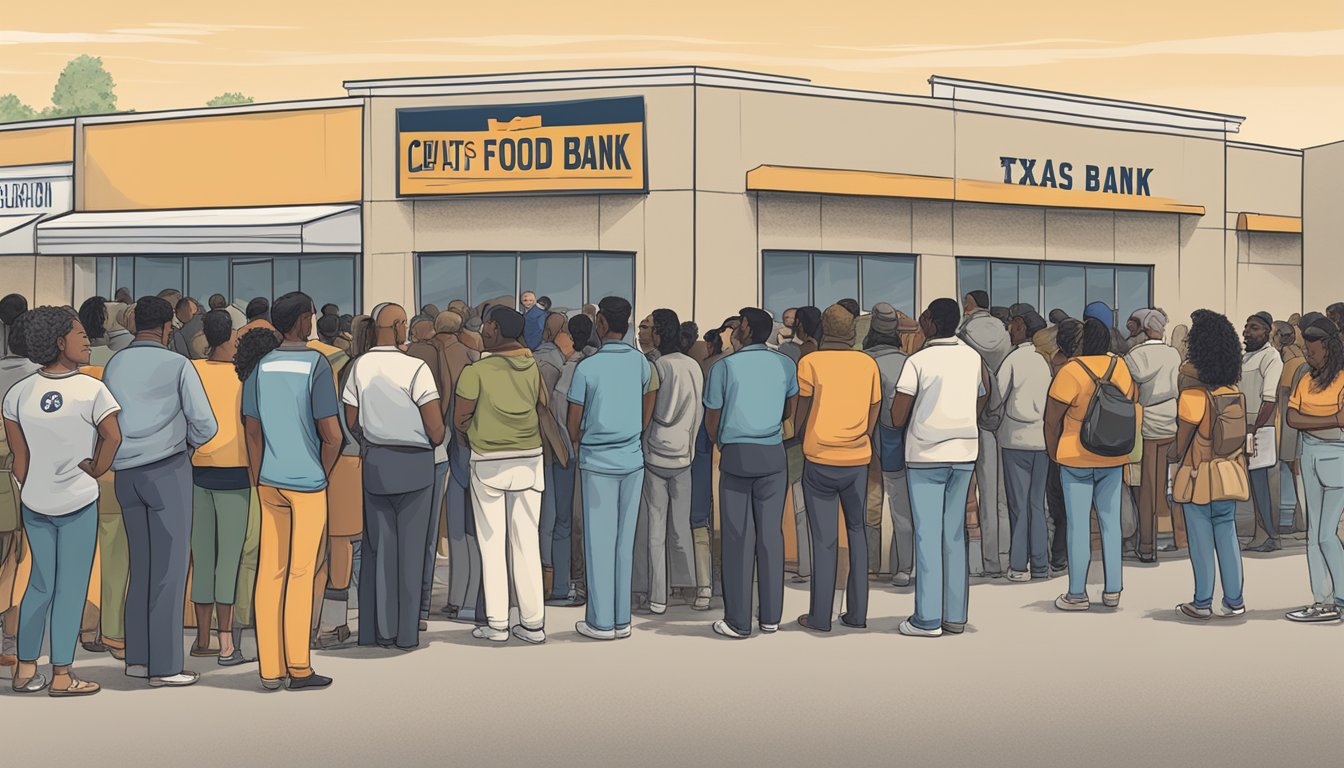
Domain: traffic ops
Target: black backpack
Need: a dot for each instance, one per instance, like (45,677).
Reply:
(1112,418)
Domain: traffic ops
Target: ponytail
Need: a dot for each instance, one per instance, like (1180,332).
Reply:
(254,345)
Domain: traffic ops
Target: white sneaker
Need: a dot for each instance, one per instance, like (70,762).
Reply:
(910,630)
(622,632)
(721,628)
(138,671)
(901,580)
(180,680)
(594,634)
(533,636)
(658,609)
(491,634)
(769,628)
(1019,576)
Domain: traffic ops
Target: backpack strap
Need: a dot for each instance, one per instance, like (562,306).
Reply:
(1095,378)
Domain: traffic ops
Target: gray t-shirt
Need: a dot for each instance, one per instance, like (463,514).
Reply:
(1155,367)
(1260,373)
(669,442)
(890,361)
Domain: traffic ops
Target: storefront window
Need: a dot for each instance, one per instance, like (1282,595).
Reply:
(1049,286)
(329,280)
(206,276)
(569,278)
(801,278)
(157,273)
(286,276)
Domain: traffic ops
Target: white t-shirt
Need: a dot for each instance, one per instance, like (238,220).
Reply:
(944,378)
(60,417)
(388,387)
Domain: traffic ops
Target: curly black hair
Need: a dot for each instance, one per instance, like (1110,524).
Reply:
(1214,349)
(690,333)
(255,344)
(43,326)
(93,314)
(668,327)
(17,344)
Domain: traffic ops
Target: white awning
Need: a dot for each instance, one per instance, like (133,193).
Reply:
(18,233)
(295,229)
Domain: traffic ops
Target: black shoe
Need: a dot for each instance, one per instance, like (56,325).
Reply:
(1268,545)
(313,681)
(805,623)
(450,611)
(844,619)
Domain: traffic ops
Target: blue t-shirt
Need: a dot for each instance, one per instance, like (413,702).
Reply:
(749,388)
(289,390)
(610,384)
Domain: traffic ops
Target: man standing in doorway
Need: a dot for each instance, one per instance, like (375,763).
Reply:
(1261,369)
(534,319)
(610,403)
(164,410)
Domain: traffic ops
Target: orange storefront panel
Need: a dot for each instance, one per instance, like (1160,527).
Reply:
(37,146)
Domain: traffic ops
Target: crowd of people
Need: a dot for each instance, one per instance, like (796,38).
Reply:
(261,464)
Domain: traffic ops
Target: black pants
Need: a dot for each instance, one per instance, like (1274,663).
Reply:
(824,488)
(1054,506)
(753,480)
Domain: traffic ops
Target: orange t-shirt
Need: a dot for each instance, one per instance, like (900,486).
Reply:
(225,393)
(843,385)
(1074,388)
(1326,402)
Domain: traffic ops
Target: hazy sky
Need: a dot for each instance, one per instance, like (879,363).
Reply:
(1279,64)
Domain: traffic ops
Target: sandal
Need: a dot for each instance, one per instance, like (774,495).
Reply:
(77,687)
(37,683)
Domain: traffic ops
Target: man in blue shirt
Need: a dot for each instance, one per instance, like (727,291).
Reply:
(747,398)
(534,319)
(611,400)
(164,410)
(293,441)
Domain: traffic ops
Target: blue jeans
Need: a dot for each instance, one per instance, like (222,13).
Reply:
(1212,528)
(1084,489)
(610,514)
(557,509)
(1323,483)
(942,573)
(62,552)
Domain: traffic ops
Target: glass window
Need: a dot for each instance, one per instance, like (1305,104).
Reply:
(493,275)
(441,278)
(1101,285)
(1003,284)
(972,275)
(123,275)
(206,276)
(286,276)
(1064,289)
(557,275)
(785,281)
(1029,285)
(611,274)
(157,273)
(834,277)
(1132,285)
(251,278)
(329,280)
(890,279)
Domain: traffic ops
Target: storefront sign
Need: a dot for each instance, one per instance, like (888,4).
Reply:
(1117,179)
(595,145)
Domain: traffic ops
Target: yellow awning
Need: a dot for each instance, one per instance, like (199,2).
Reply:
(1264,222)
(824,181)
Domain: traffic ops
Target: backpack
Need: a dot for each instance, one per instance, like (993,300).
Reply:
(1111,422)
(1223,477)
(1228,421)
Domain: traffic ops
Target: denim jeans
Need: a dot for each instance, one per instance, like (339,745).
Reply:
(610,514)
(61,548)
(1212,529)
(557,508)
(942,573)
(1323,483)
(1085,488)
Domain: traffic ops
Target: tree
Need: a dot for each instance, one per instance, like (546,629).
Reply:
(12,110)
(229,99)
(84,88)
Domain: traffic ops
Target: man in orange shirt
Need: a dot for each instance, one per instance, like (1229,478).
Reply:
(839,392)
(1088,479)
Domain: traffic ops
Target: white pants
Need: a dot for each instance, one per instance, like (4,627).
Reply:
(506,496)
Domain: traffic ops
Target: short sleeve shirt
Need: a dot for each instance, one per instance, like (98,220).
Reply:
(1193,404)
(388,387)
(843,385)
(750,388)
(945,379)
(1260,372)
(610,384)
(59,416)
(1309,402)
(1074,388)
(288,392)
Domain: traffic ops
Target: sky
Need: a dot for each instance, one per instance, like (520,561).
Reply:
(1279,64)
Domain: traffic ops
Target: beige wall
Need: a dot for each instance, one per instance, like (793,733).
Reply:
(1323,226)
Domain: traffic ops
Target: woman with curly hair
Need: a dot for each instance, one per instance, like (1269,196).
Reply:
(1316,410)
(1214,353)
(62,428)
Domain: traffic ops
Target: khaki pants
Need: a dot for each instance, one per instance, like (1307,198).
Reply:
(1152,493)
(293,528)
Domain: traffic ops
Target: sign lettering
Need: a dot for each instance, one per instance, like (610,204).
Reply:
(1114,179)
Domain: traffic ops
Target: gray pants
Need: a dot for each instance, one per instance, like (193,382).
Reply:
(396,524)
(664,549)
(753,480)
(902,522)
(994,525)
(431,545)
(464,554)
(1024,474)
(802,531)
(156,507)
(827,487)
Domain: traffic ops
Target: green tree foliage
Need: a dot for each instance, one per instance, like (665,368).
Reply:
(229,99)
(84,88)
(12,110)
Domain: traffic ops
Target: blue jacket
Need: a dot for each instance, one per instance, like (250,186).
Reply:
(534,322)
(163,404)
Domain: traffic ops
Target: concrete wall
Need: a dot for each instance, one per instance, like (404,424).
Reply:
(1323,226)
(1269,265)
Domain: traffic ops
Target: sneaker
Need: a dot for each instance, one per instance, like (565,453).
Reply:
(1230,612)
(1019,576)
(1315,613)
(311,682)
(658,609)
(623,632)
(1110,599)
(910,630)
(1066,603)
(529,635)
(769,628)
(138,671)
(180,680)
(799,579)
(594,634)
(721,628)
(490,633)
(901,580)
(1192,611)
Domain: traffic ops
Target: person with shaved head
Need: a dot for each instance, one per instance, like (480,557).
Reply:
(390,398)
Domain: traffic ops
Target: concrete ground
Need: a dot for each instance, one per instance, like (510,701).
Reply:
(1025,686)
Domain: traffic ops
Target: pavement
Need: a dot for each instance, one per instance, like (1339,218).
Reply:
(1026,685)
